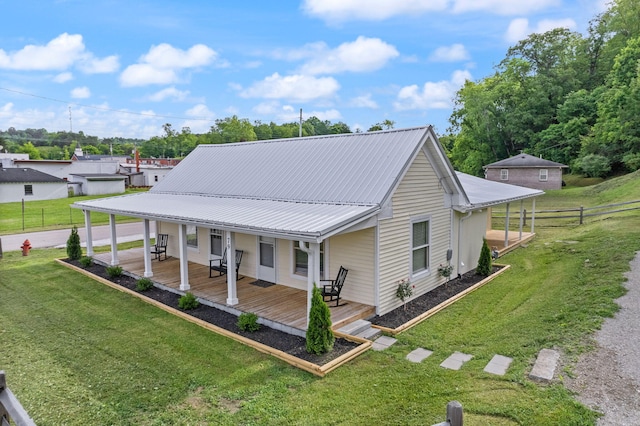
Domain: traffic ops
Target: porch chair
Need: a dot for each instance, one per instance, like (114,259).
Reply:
(160,246)
(220,265)
(332,291)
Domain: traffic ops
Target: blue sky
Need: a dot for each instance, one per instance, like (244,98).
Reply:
(124,68)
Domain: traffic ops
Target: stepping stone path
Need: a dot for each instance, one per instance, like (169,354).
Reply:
(545,365)
(382,343)
(456,360)
(498,365)
(418,355)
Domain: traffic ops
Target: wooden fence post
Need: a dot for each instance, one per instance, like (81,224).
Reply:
(524,217)
(581,214)
(454,413)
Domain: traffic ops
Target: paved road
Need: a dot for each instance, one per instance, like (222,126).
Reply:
(126,232)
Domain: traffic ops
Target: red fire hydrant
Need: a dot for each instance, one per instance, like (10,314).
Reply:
(26,246)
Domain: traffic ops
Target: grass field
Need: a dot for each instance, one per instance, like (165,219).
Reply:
(50,214)
(78,353)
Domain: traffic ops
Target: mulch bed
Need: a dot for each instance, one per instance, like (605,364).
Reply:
(422,304)
(288,343)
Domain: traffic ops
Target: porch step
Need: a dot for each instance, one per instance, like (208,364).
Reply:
(356,327)
(370,333)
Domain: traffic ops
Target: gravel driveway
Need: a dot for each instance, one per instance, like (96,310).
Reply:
(608,378)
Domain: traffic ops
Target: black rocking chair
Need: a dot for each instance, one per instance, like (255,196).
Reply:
(332,291)
(160,246)
(220,265)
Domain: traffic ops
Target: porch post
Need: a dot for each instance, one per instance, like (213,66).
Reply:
(533,214)
(87,225)
(147,249)
(232,290)
(184,261)
(114,240)
(506,227)
(313,271)
(521,219)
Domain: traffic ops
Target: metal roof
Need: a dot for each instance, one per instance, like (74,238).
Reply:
(308,221)
(484,193)
(26,175)
(346,168)
(523,160)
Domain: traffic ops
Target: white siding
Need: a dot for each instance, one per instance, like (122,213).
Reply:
(467,247)
(418,194)
(99,187)
(14,192)
(356,252)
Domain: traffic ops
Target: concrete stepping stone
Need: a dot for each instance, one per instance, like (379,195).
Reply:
(545,365)
(498,365)
(456,360)
(382,343)
(419,355)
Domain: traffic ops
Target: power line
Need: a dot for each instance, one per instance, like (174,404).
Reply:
(104,108)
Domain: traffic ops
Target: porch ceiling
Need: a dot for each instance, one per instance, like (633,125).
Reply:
(284,219)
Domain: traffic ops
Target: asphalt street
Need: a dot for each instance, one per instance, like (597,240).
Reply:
(58,238)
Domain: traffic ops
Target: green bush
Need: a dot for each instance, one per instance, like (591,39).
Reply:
(319,335)
(74,250)
(484,263)
(593,165)
(144,284)
(248,321)
(188,301)
(86,261)
(114,271)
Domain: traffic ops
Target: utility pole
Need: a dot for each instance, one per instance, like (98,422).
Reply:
(300,131)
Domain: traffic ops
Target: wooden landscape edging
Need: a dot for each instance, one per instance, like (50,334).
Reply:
(318,370)
(417,320)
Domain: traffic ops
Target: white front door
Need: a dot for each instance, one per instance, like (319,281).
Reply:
(267,259)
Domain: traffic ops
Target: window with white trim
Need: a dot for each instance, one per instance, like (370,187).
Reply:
(300,260)
(420,244)
(504,174)
(192,236)
(217,248)
(544,175)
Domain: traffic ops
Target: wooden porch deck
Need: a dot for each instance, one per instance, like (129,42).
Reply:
(278,303)
(495,238)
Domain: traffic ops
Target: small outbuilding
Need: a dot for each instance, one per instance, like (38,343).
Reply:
(526,170)
(17,184)
(97,183)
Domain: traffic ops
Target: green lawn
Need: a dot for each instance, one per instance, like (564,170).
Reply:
(50,214)
(77,352)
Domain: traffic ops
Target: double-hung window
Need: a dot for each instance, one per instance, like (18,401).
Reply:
(192,236)
(300,265)
(420,244)
(544,175)
(216,242)
(504,174)
(28,190)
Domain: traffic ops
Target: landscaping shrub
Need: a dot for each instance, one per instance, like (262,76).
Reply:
(248,321)
(86,261)
(144,284)
(188,301)
(114,271)
(74,250)
(319,335)
(484,263)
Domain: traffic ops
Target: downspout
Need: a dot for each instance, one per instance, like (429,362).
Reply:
(462,219)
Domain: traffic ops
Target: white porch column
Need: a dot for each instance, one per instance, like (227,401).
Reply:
(232,289)
(147,249)
(184,260)
(313,270)
(506,227)
(521,218)
(114,240)
(87,225)
(533,214)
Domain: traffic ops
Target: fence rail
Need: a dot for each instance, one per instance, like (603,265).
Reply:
(579,214)
(10,407)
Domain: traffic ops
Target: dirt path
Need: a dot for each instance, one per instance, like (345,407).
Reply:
(608,379)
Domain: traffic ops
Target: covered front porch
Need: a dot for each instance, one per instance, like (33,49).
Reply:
(278,306)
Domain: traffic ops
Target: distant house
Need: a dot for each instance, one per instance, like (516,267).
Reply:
(387,206)
(29,185)
(144,174)
(97,183)
(526,170)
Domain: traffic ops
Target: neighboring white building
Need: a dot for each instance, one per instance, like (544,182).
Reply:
(97,184)
(7,158)
(147,174)
(29,185)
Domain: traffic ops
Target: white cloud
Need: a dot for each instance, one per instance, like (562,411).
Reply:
(169,93)
(433,95)
(202,119)
(454,53)
(81,92)
(92,65)
(292,87)
(337,11)
(503,7)
(63,77)
(364,101)
(59,54)
(519,29)
(362,55)
(162,63)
